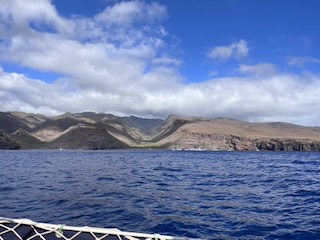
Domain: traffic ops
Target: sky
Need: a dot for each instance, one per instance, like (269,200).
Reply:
(256,61)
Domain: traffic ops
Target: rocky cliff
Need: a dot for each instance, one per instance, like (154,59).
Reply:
(287,144)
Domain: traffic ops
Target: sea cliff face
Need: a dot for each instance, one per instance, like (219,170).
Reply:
(105,131)
(198,141)
(288,144)
(230,143)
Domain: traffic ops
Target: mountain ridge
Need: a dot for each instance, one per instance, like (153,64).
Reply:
(90,130)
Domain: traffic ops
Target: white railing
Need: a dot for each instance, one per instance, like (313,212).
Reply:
(25,229)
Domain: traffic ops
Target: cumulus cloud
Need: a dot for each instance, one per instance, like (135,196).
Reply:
(236,50)
(273,98)
(130,12)
(120,66)
(107,62)
(90,54)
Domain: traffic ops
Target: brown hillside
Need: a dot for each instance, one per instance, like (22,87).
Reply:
(228,134)
(87,138)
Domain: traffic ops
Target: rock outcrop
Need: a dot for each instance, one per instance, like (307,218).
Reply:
(287,144)
(7,142)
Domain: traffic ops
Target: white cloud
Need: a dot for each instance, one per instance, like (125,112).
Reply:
(236,50)
(95,55)
(167,61)
(124,70)
(261,69)
(17,16)
(129,12)
(301,61)
(273,98)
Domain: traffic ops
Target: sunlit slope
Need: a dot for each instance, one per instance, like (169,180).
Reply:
(228,134)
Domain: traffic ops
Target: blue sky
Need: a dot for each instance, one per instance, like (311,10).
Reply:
(250,60)
(275,30)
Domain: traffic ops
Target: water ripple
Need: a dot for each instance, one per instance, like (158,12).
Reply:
(209,195)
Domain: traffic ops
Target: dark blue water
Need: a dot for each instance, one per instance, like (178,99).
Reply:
(211,195)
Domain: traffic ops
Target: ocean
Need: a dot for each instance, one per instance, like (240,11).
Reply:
(208,195)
